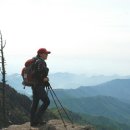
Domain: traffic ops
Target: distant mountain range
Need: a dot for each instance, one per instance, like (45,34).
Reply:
(110,100)
(118,88)
(64,81)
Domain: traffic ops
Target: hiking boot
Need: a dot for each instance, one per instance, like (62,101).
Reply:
(42,123)
(34,124)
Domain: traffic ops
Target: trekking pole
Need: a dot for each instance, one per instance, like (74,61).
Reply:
(61,105)
(47,89)
(58,109)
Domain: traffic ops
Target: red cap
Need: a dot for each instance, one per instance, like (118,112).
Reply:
(43,50)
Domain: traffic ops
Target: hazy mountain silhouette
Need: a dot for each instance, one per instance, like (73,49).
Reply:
(119,88)
(63,81)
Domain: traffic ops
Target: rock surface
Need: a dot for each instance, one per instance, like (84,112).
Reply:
(51,125)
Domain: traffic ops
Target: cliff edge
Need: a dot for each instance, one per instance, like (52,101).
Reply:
(50,125)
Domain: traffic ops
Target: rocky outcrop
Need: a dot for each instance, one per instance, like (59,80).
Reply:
(50,125)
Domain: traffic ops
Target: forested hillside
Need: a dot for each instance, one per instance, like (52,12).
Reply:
(17,106)
(109,107)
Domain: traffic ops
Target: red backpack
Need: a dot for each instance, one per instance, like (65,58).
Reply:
(28,72)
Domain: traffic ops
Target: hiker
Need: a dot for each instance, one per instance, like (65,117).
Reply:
(38,89)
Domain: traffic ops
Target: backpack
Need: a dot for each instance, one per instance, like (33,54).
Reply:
(28,72)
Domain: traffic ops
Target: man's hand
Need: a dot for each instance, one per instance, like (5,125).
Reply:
(47,84)
(46,79)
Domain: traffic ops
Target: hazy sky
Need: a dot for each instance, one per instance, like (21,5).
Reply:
(84,36)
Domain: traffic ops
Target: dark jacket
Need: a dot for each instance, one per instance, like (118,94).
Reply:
(41,71)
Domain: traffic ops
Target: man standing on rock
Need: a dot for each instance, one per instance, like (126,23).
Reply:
(38,89)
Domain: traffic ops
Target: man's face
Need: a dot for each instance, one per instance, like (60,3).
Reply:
(44,56)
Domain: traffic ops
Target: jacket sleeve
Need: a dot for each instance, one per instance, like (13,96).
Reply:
(41,69)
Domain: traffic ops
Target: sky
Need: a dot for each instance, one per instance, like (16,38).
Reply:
(84,36)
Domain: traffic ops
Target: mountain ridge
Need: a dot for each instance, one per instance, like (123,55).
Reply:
(118,88)
(65,80)
(106,106)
